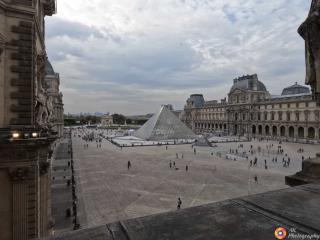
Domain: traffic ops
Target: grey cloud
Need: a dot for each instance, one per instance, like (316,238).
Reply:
(164,51)
(61,27)
(58,27)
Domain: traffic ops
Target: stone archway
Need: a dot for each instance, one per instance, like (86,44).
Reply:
(311,133)
(274,131)
(301,132)
(282,131)
(254,129)
(291,132)
(267,130)
(260,130)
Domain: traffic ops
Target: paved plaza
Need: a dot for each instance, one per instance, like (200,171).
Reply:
(61,192)
(108,191)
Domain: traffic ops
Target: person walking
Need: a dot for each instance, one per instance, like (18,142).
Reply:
(179,203)
(129,165)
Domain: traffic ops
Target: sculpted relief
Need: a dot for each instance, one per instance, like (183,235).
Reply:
(43,103)
(310,32)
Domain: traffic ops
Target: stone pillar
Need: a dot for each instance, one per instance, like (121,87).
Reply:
(45,194)
(263,130)
(306,133)
(316,133)
(5,205)
(296,133)
(20,203)
(21,170)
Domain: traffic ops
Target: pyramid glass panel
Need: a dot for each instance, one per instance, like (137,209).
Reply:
(164,125)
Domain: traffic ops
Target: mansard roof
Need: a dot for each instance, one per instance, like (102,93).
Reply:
(248,82)
(49,69)
(295,89)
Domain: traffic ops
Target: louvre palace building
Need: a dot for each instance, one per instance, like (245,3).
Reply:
(252,111)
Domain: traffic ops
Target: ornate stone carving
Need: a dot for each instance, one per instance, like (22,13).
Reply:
(44,167)
(19,174)
(44,103)
(310,32)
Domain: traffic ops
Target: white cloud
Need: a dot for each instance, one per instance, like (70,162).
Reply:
(130,56)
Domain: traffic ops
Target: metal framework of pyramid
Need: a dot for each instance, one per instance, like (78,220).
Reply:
(164,125)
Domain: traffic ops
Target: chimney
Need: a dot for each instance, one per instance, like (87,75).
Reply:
(254,80)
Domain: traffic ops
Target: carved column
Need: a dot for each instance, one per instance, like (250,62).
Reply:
(20,206)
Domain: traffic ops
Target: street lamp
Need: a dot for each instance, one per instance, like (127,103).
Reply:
(34,134)
(15,135)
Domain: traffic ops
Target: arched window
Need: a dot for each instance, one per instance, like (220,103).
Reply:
(311,133)
(291,132)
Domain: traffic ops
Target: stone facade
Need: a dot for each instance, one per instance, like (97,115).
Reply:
(26,133)
(251,111)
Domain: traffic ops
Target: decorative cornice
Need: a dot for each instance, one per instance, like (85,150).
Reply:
(19,174)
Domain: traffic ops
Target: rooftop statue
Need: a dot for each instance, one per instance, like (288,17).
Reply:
(310,32)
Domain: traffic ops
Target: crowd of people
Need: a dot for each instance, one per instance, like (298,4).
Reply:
(266,156)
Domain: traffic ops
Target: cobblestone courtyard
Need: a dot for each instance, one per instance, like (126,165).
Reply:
(108,191)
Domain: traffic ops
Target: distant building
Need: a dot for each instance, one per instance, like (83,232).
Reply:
(175,112)
(295,89)
(168,106)
(106,120)
(251,111)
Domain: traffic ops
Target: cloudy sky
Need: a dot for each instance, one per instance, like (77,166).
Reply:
(131,56)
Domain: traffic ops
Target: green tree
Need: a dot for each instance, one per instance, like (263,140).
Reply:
(118,118)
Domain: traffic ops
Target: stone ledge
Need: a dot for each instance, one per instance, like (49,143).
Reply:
(310,173)
(252,217)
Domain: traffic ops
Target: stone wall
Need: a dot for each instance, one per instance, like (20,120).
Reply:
(25,201)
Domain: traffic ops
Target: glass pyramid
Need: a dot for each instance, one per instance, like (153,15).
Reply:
(164,125)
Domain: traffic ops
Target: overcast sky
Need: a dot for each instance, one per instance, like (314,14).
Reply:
(131,56)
